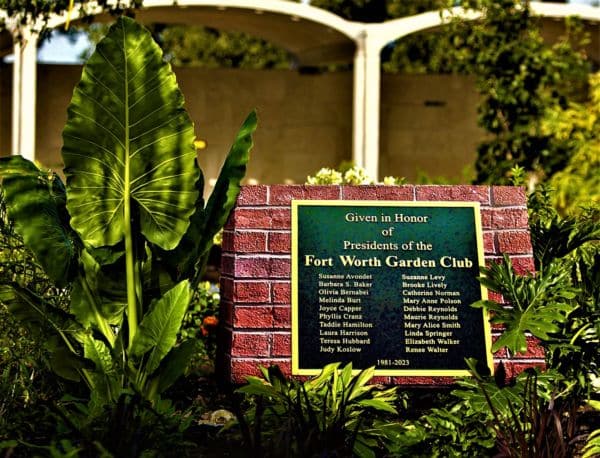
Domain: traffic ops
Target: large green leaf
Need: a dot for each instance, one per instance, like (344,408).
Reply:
(158,330)
(174,365)
(226,190)
(190,256)
(36,314)
(98,296)
(227,187)
(104,378)
(33,310)
(129,144)
(539,304)
(35,201)
(481,395)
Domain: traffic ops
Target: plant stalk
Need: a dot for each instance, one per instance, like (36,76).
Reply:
(132,302)
(102,324)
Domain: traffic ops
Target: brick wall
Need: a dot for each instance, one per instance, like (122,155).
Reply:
(256,266)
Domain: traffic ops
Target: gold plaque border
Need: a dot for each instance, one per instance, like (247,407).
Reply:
(388,203)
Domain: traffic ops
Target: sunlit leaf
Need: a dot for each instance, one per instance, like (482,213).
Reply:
(129,144)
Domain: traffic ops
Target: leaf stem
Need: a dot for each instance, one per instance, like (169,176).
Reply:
(100,321)
(132,303)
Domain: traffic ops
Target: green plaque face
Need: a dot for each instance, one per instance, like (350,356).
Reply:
(387,284)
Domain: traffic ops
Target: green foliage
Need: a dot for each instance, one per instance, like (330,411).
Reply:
(592,447)
(454,431)
(576,130)
(418,53)
(355,10)
(538,414)
(555,237)
(139,145)
(37,13)
(204,304)
(133,427)
(129,234)
(415,53)
(205,47)
(200,325)
(561,303)
(572,244)
(539,303)
(519,77)
(377,10)
(211,48)
(25,382)
(533,417)
(330,413)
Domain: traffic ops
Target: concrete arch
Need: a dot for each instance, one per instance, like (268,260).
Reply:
(390,31)
(313,35)
(299,10)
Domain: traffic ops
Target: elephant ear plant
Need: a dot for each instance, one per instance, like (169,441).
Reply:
(130,232)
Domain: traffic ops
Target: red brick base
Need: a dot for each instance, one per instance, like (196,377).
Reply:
(256,288)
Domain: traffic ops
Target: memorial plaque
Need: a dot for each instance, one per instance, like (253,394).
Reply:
(387,284)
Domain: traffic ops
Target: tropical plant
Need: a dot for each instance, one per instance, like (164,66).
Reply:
(540,415)
(535,416)
(26,384)
(200,323)
(130,233)
(592,448)
(538,303)
(560,238)
(454,430)
(572,243)
(328,414)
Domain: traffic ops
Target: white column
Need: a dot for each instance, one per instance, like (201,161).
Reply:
(365,147)
(358,106)
(24,95)
(372,107)
(16,100)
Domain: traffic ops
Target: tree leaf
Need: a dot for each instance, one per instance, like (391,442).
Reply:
(63,361)
(360,381)
(104,377)
(129,142)
(175,364)
(36,315)
(35,201)
(190,256)
(30,308)
(539,303)
(98,293)
(226,190)
(158,330)
(180,262)
(379,405)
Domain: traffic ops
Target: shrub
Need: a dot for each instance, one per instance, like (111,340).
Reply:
(330,414)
